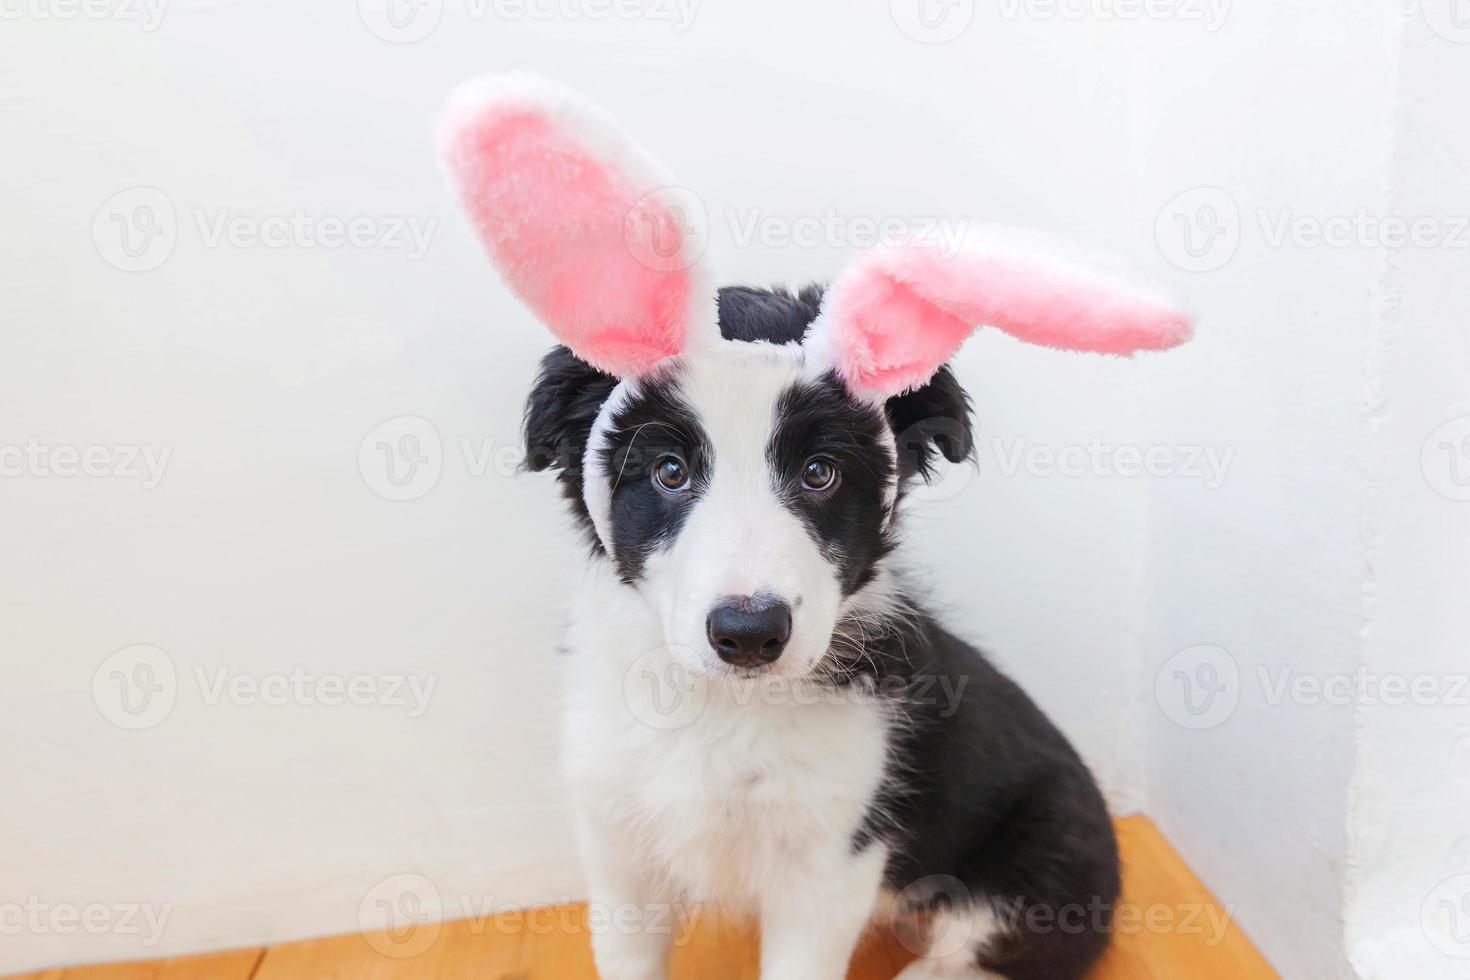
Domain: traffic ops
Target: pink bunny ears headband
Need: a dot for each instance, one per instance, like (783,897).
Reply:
(587,230)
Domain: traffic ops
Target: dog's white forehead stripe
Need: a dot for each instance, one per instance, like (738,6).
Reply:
(756,543)
(596,488)
(735,391)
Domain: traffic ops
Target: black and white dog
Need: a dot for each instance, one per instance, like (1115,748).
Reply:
(738,458)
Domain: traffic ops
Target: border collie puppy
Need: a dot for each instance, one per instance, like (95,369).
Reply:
(759,714)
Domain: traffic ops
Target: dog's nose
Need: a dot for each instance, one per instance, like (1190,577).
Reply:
(749,632)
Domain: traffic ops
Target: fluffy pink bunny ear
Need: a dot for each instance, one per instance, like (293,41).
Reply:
(896,315)
(582,224)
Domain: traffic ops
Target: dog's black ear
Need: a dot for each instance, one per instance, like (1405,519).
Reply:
(561,408)
(934,416)
(560,412)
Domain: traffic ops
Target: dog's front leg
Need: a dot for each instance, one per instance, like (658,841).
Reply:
(630,921)
(811,925)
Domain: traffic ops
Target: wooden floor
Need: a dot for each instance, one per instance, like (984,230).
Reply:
(1167,927)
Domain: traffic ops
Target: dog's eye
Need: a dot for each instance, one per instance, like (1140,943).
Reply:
(819,474)
(670,474)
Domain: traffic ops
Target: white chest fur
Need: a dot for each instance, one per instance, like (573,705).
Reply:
(725,789)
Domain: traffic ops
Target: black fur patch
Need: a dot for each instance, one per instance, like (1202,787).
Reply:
(820,419)
(934,416)
(981,787)
(774,315)
(655,422)
(560,412)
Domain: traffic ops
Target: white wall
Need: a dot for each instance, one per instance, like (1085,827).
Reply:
(1333,559)
(263,371)
(1262,578)
(1409,904)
